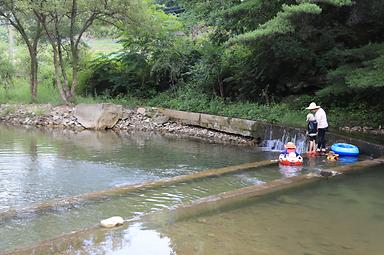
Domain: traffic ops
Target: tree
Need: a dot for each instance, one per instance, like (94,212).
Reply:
(294,46)
(155,57)
(19,14)
(65,23)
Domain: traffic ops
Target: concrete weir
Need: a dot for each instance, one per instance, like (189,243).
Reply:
(262,130)
(74,240)
(99,195)
(222,200)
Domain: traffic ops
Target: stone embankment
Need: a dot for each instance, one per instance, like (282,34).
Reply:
(365,130)
(129,120)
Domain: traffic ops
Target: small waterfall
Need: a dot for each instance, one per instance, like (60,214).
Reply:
(274,141)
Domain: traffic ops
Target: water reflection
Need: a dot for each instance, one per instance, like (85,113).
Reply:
(348,160)
(344,216)
(341,217)
(36,165)
(133,240)
(290,171)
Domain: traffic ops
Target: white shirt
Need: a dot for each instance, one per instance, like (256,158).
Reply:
(321,118)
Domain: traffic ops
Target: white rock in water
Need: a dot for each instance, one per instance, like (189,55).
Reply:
(112,222)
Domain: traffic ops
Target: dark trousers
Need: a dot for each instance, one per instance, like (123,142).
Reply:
(321,138)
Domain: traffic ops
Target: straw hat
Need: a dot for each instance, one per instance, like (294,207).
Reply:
(313,106)
(310,117)
(290,145)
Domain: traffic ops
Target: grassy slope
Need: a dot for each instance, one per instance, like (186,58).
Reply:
(103,45)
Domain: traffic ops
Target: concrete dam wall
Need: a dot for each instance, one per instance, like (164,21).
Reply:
(267,134)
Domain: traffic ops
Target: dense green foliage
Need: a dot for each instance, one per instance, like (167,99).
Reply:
(231,56)
(266,52)
(7,70)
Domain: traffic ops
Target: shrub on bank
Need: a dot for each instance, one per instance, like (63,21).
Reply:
(189,99)
(292,114)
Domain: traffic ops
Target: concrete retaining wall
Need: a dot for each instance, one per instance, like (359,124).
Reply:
(262,130)
(224,124)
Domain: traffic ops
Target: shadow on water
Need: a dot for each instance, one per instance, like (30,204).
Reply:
(38,165)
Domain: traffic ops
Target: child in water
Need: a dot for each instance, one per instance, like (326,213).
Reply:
(331,156)
(289,148)
(290,156)
(311,133)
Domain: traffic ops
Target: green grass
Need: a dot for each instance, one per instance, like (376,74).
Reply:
(274,113)
(280,113)
(126,101)
(103,45)
(19,93)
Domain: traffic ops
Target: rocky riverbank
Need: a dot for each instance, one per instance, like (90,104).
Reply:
(365,130)
(133,119)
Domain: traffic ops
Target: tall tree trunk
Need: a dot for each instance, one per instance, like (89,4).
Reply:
(11,43)
(74,49)
(75,69)
(58,75)
(65,86)
(221,87)
(221,83)
(63,72)
(32,49)
(33,76)
(34,63)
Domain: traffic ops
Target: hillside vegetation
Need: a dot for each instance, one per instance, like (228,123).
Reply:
(257,59)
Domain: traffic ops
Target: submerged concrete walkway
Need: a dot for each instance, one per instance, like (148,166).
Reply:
(230,198)
(69,202)
(75,239)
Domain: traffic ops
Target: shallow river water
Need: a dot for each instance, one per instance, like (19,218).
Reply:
(37,165)
(340,216)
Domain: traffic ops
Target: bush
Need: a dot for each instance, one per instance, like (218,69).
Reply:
(356,115)
(7,70)
(189,98)
(120,75)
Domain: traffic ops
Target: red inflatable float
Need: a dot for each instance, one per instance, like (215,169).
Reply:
(290,157)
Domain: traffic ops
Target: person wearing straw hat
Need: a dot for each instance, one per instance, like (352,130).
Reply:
(322,125)
(289,148)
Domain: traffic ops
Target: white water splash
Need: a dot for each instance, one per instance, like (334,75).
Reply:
(298,139)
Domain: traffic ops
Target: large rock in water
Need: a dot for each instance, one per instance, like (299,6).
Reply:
(112,222)
(98,116)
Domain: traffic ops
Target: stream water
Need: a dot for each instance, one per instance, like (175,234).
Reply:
(37,165)
(340,216)
(344,216)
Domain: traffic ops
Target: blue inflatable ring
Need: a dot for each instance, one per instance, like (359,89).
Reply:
(345,149)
